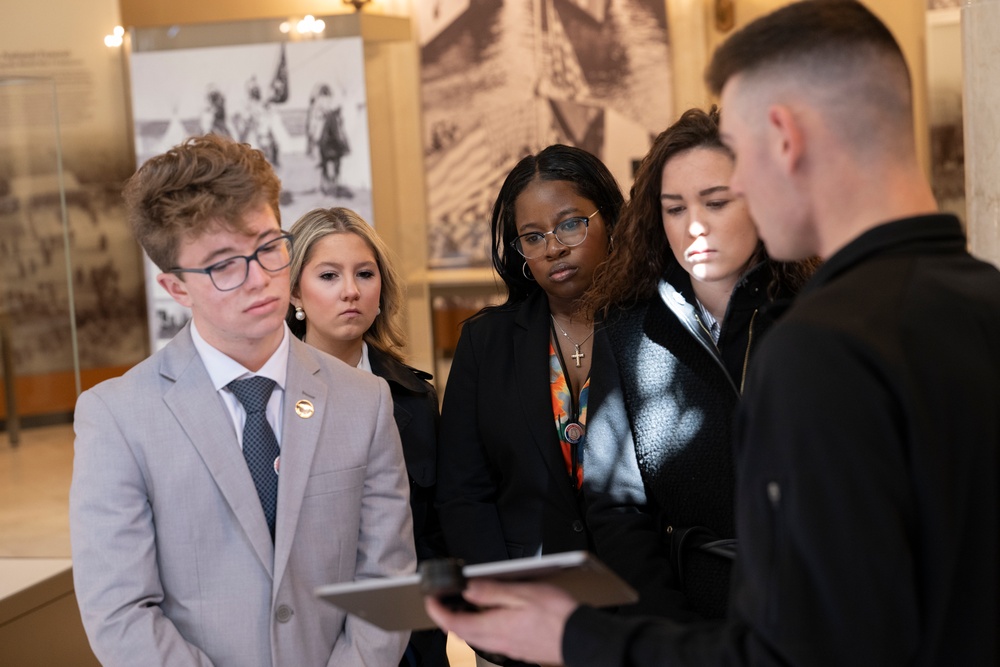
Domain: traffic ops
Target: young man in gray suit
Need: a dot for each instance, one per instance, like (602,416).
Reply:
(220,481)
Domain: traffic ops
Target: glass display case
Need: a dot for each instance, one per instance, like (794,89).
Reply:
(39,359)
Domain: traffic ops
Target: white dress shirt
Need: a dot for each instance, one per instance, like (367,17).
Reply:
(223,369)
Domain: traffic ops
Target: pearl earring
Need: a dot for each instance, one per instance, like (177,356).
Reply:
(299,313)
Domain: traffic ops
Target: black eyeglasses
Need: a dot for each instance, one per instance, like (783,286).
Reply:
(570,232)
(230,273)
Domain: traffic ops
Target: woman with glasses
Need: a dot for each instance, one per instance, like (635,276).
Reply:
(515,407)
(347,300)
(684,303)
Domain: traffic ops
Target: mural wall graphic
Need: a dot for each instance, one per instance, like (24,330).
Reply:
(505,78)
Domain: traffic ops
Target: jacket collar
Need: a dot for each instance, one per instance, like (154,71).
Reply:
(533,310)
(307,382)
(750,292)
(530,342)
(212,433)
(397,373)
(938,232)
(752,282)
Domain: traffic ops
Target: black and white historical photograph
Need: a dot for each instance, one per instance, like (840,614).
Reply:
(302,103)
(525,74)
(66,256)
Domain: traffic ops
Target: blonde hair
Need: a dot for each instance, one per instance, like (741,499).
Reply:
(386,332)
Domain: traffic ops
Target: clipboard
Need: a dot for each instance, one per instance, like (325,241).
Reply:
(397,604)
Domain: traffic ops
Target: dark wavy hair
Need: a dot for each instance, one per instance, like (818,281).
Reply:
(643,255)
(584,171)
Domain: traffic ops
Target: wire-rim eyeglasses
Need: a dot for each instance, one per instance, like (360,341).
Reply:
(571,232)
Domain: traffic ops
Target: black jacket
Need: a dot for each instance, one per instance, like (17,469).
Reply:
(658,454)
(502,489)
(868,463)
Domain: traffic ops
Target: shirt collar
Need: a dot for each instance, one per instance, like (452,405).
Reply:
(922,233)
(365,363)
(709,320)
(223,369)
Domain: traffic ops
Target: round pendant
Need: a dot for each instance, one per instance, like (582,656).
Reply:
(574,432)
(277,464)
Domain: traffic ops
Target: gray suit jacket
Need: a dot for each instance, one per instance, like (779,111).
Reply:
(172,560)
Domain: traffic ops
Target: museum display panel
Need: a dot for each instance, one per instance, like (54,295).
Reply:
(39,356)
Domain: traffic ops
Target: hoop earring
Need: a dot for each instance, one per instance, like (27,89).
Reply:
(300,314)
(526,273)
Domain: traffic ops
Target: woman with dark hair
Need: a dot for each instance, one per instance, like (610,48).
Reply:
(683,303)
(509,459)
(347,300)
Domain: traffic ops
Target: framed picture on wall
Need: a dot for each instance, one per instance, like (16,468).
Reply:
(301,101)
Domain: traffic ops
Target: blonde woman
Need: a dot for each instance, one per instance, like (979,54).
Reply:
(347,300)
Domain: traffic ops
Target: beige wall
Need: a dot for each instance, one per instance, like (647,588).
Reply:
(692,26)
(146,13)
(93,112)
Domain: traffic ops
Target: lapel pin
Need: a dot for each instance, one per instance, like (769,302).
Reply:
(304,409)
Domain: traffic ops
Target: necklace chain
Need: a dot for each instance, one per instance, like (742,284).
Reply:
(564,333)
(577,354)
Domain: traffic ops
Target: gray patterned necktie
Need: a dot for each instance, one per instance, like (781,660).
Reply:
(260,447)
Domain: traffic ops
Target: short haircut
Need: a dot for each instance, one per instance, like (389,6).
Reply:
(386,332)
(205,182)
(819,34)
(588,176)
(837,54)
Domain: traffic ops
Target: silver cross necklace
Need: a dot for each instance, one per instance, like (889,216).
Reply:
(577,354)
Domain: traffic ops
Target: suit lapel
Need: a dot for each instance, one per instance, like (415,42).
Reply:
(299,439)
(210,429)
(531,368)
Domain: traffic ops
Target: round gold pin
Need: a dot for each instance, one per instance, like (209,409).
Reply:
(304,409)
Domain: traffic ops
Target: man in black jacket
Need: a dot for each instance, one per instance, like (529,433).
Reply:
(867,444)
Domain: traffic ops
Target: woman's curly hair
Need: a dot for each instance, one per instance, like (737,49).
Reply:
(642,255)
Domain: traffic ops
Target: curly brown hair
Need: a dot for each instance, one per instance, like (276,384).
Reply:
(203,182)
(642,254)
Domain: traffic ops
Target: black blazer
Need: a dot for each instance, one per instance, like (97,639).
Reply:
(503,490)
